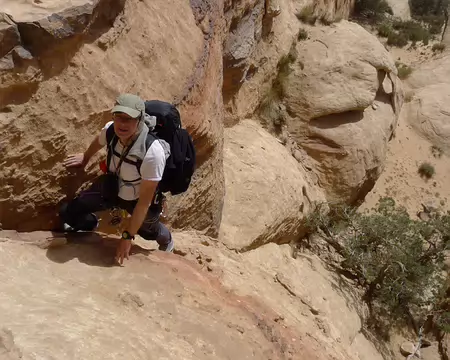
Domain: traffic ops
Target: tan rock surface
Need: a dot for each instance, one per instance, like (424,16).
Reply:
(61,115)
(344,88)
(266,187)
(202,109)
(342,101)
(407,348)
(400,8)
(424,123)
(265,41)
(446,35)
(446,346)
(400,179)
(435,71)
(339,67)
(286,308)
(25,10)
(428,110)
(261,66)
(70,302)
(334,9)
(429,113)
(431,352)
(320,306)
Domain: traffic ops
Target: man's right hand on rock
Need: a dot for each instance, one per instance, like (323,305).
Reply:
(75,160)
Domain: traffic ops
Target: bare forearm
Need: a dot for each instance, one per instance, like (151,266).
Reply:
(93,148)
(147,192)
(138,217)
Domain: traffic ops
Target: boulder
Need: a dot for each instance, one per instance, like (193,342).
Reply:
(342,101)
(44,33)
(39,45)
(400,8)
(340,69)
(17,65)
(429,113)
(407,348)
(265,187)
(258,36)
(428,110)
(9,34)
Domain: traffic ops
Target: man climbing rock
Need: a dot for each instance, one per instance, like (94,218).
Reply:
(134,168)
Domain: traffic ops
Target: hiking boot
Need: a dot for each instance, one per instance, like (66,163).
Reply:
(167,247)
(68,228)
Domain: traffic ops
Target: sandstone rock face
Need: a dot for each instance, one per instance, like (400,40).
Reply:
(266,187)
(431,352)
(255,37)
(176,310)
(43,46)
(334,9)
(244,34)
(436,71)
(244,79)
(445,346)
(400,8)
(343,79)
(342,101)
(56,94)
(446,34)
(58,103)
(23,10)
(201,105)
(8,350)
(429,111)
(300,291)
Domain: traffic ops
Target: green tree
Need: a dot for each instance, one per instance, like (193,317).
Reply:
(398,260)
(374,10)
(428,7)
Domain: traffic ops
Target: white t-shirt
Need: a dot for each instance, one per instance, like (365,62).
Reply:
(152,168)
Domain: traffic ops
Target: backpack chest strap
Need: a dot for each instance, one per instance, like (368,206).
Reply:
(112,140)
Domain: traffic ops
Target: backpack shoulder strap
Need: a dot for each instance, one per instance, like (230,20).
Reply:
(111,142)
(151,137)
(110,133)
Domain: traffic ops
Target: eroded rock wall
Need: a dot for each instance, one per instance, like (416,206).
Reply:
(75,62)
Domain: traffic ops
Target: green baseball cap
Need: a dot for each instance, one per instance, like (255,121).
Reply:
(129,104)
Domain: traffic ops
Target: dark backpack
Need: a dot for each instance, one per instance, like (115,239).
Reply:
(180,165)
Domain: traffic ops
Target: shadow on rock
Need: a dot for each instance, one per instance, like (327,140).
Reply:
(91,249)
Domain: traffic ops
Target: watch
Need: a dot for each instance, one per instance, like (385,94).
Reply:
(127,236)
